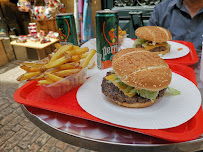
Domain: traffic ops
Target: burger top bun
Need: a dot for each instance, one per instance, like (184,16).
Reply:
(153,33)
(141,69)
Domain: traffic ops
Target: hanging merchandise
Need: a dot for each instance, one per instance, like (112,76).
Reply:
(80,11)
(23,5)
(40,13)
(55,7)
(77,22)
(88,30)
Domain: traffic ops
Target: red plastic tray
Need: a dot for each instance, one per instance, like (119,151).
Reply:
(189,59)
(32,95)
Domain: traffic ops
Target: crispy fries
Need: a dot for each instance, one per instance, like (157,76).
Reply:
(52,77)
(88,58)
(31,69)
(92,64)
(75,47)
(67,66)
(40,82)
(80,51)
(57,45)
(75,58)
(77,51)
(58,62)
(28,75)
(66,73)
(84,55)
(64,62)
(121,33)
(60,52)
(31,64)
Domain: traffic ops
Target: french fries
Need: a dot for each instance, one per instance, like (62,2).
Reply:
(92,64)
(75,58)
(67,66)
(57,45)
(28,75)
(52,77)
(31,69)
(31,64)
(40,82)
(58,62)
(68,72)
(84,55)
(88,58)
(59,53)
(66,61)
(121,33)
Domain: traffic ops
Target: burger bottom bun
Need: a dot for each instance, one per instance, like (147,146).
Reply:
(135,105)
(162,52)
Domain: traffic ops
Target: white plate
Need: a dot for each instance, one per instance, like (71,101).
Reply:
(174,53)
(169,111)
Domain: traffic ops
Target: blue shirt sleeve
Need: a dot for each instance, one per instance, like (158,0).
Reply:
(153,21)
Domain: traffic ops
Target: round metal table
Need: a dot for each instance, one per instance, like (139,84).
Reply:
(100,137)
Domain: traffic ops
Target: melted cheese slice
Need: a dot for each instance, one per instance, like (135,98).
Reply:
(149,47)
(121,87)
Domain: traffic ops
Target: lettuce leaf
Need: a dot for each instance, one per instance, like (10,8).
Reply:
(143,93)
(173,91)
(139,41)
(147,94)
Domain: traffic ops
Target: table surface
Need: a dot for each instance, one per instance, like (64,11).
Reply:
(35,45)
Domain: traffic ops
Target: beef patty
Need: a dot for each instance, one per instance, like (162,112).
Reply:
(156,49)
(113,92)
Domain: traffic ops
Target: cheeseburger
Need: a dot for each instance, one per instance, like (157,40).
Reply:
(139,78)
(153,39)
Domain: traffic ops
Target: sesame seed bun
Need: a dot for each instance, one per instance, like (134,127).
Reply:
(141,69)
(153,33)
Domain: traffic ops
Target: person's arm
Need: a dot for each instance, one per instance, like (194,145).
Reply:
(153,21)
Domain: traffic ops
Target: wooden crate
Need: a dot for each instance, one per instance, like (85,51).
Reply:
(46,26)
(3,56)
(20,52)
(8,48)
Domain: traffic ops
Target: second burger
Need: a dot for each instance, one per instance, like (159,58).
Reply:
(153,39)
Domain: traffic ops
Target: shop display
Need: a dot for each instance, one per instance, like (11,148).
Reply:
(24,5)
(44,39)
(40,13)
(22,39)
(52,34)
(55,7)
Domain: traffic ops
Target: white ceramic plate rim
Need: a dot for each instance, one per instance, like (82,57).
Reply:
(174,52)
(169,111)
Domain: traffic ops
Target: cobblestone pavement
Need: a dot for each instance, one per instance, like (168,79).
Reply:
(17,133)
